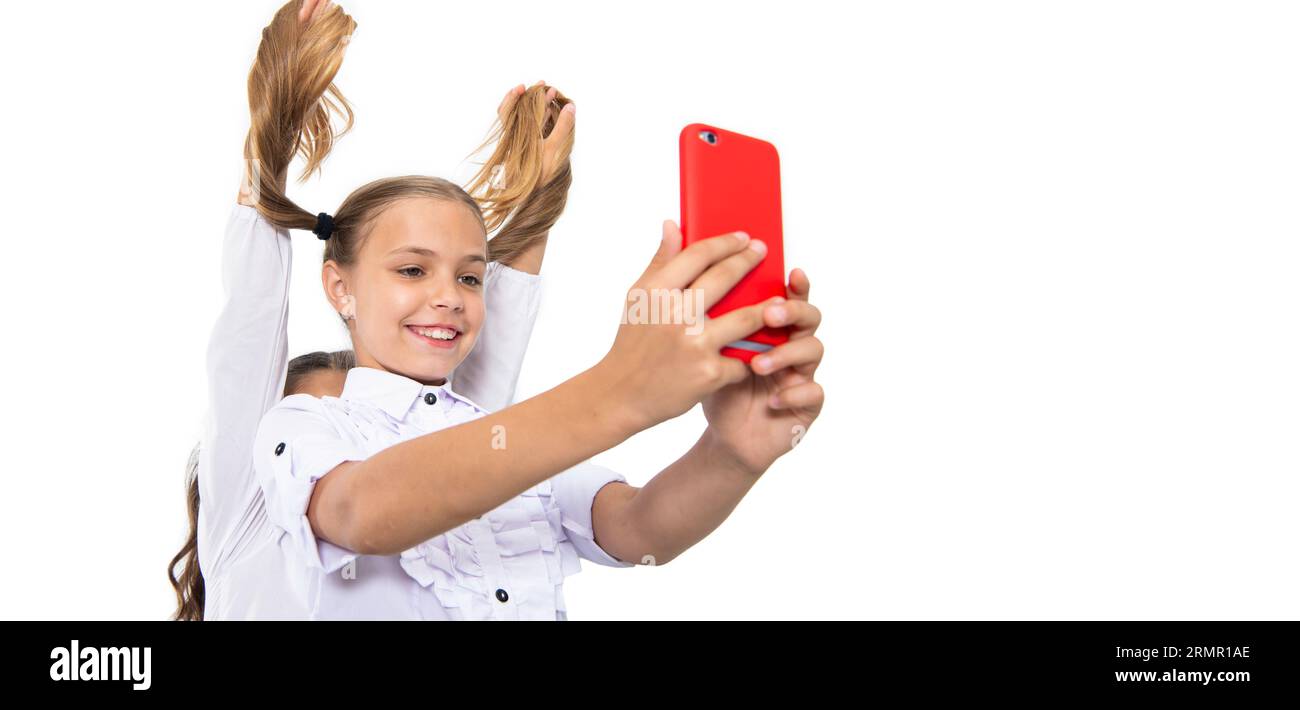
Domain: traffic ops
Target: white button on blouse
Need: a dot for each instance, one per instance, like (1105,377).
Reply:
(510,563)
(244,568)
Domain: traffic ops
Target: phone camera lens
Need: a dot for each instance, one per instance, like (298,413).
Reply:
(709,137)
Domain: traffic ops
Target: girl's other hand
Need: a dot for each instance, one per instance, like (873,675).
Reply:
(312,9)
(565,120)
(661,368)
(764,415)
(508,102)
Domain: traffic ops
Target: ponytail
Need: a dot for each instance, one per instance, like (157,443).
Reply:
(510,184)
(291,99)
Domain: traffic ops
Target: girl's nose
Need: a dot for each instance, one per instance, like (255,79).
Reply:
(447,296)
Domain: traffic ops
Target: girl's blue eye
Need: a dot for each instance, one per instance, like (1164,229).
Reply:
(475,278)
(403,271)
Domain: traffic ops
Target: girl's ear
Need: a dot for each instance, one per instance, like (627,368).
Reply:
(337,291)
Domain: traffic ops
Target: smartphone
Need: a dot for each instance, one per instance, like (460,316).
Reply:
(732,183)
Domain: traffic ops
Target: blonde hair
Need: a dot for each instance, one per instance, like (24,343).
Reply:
(291,97)
(509,182)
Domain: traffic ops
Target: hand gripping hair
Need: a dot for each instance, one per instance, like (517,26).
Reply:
(527,177)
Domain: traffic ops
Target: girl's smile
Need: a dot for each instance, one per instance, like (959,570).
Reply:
(437,335)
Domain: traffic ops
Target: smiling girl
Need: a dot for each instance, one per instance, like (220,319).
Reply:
(232,550)
(403,498)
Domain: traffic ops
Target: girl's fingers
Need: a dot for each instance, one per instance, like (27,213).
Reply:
(799,286)
(734,325)
(808,394)
(312,10)
(307,9)
(797,291)
(789,377)
(722,276)
(733,371)
(561,134)
(687,264)
(563,125)
(804,316)
(805,353)
(670,244)
(508,101)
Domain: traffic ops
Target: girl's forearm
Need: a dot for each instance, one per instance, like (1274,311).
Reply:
(678,507)
(425,486)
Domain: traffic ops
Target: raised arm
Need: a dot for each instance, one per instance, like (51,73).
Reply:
(561,121)
(490,373)
(523,190)
(247,356)
(247,359)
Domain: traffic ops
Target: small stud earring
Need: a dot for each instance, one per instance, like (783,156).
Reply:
(349,309)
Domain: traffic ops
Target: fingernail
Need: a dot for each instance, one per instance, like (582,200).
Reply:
(763,362)
(570,107)
(743,237)
(758,246)
(774,401)
(777,313)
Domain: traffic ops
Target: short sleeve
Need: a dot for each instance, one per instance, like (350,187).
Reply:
(575,491)
(296,446)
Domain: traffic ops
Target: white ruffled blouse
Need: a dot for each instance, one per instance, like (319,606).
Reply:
(244,569)
(509,563)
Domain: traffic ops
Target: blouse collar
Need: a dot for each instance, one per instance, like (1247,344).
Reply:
(391,392)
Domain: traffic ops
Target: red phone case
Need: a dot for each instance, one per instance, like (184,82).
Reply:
(728,185)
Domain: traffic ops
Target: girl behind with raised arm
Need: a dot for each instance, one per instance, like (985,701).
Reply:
(247,350)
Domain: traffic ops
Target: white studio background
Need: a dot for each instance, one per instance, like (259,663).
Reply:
(1055,245)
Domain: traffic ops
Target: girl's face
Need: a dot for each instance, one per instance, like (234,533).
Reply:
(418,288)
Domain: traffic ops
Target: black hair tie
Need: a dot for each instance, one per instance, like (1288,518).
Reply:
(324,226)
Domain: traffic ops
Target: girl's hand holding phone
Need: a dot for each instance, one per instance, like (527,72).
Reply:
(662,369)
(765,414)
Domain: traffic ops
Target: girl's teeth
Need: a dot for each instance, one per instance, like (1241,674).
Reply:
(437,333)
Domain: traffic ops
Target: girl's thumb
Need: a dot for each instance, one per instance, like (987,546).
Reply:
(669,245)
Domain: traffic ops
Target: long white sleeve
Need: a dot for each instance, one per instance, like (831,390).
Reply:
(247,361)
